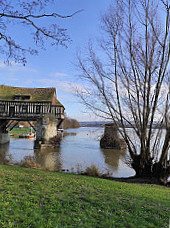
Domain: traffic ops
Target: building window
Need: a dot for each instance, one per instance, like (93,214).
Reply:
(22,97)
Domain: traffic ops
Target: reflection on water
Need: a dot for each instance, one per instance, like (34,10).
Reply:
(79,148)
(49,160)
(112,157)
(4,153)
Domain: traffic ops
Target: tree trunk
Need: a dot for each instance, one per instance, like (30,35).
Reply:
(161,172)
(146,169)
(142,167)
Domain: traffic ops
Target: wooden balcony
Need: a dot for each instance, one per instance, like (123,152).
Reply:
(19,110)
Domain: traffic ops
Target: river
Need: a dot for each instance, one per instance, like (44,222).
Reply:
(80,148)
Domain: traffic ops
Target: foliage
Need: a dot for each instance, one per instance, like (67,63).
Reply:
(55,141)
(93,170)
(29,162)
(127,80)
(36,198)
(20,131)
(70,123)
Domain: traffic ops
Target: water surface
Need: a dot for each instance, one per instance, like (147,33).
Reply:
(79,149)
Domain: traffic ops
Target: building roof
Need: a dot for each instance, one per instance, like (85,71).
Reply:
(9,93)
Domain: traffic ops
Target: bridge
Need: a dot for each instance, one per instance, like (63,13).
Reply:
(30,104)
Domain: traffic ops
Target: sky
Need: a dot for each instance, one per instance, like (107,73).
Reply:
(56,67)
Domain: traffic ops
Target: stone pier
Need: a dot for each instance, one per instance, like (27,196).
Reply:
(4,138)
(4,135)
(111,139)
(46,129)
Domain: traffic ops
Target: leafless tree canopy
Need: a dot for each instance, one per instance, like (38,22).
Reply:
(29,14)
(130,82)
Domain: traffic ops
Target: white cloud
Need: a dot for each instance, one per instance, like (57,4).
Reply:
(2,65)
(6,65)
(59,74)
(71,87)
(47,82)
(65,86)
(22,69)
(15,67)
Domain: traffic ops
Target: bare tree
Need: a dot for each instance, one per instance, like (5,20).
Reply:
(130,82)
(30,14)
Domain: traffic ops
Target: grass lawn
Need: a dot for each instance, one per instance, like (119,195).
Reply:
(37,198)
(20,131)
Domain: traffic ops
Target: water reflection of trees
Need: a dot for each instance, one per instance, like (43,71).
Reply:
(49,159)
(112,158)
(69,134)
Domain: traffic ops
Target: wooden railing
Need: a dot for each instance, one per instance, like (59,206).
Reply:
(20,109)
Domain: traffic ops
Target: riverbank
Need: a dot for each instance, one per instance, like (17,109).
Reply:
(20,132)
(37,198)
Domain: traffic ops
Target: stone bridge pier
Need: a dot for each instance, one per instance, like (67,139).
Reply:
(4,135)
(111,139)
(46,129)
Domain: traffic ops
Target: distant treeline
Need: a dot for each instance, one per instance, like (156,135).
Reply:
(67,123)
(70,123)
(93,123)
(102,123)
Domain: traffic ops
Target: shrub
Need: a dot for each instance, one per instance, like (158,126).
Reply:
(29,162)
(55,141)
(93,170)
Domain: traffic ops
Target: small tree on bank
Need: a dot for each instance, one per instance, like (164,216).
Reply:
(33,16)
(130,82)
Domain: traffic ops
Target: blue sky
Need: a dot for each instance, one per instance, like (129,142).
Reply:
(55,67)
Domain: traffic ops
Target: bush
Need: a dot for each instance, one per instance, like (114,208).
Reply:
(55,141)
(29,162)
(93,170)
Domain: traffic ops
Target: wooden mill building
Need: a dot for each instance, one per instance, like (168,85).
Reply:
(28,104)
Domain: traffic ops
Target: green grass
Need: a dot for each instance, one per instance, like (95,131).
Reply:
(7,93)
(37,198)
(20,131)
